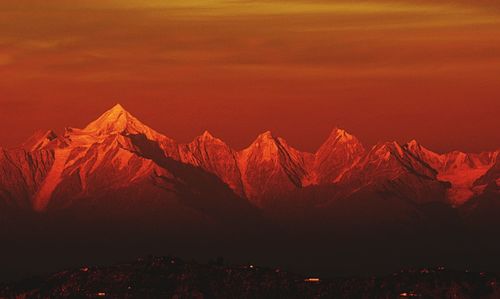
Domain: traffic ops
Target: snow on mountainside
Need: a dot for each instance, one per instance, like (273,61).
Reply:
(119,167)
(215,156)
(270,167)
(388,160)
(433,159)
(118,151)
(462,170)
(492,176)
(340,152)
(103,148)
(118,120)
(390,167)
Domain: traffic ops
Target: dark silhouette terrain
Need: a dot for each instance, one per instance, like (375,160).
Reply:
(167,277)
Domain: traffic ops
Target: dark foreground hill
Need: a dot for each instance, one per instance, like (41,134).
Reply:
(166,277)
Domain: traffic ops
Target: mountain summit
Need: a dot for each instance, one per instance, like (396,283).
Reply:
(340,152)
(117,120)
(270,167)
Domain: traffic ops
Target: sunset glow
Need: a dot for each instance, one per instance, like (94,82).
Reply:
(382,69)
(249,148)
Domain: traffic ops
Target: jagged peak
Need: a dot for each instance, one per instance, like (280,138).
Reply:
(387,148)
(267,135)
(265,139)
(415,147)
(418,149)
(207,135)
(118,108)
(340,140)
(117,120)
(341,135)
(115,117)
(413,143)
(270,145)
(265,143)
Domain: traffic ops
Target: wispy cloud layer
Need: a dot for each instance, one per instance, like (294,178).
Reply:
(274,47)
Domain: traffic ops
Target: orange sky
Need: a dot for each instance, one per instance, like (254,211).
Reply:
(384,70)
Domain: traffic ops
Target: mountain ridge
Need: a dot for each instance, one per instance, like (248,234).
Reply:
(120,188)
(267,169)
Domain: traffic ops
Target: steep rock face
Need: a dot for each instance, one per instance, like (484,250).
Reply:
(108,154)
(40,140)
(460,169)
(22,173)
(390,167)
(388,161)
(100,157)
(492,176)
(336,156)
(118,166)
(88,170)
(425,155)
(214,156)
(270,167)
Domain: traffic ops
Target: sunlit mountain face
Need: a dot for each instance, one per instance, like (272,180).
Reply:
(117,151)
(117,189)
(334,139)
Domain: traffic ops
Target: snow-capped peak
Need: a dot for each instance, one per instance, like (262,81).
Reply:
(116,121)
(264,140)
(266,146)
(336,156)
(207,135)
(433,159)
(118,108)
(207,138)
(387,149)
(267,135)
(413,144)
(341,135)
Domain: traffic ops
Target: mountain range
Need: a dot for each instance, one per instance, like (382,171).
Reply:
(117,151)
(118,189)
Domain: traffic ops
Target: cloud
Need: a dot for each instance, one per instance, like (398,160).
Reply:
(258,7)
(54,38)
(245,8)
(47,44)
(5,59)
